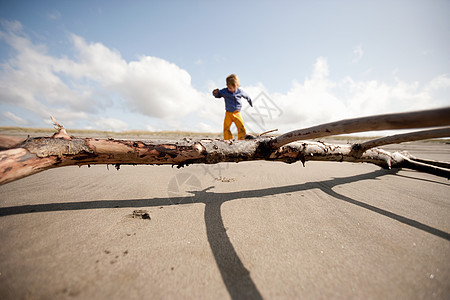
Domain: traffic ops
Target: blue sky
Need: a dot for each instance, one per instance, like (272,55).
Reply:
(152,64)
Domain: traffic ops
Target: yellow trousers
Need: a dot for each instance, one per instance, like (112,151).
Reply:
(235,117)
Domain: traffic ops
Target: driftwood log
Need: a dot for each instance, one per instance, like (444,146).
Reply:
(21,158)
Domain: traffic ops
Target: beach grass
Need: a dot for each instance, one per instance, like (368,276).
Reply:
(143,134)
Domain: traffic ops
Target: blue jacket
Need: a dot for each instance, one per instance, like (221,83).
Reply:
(233,100)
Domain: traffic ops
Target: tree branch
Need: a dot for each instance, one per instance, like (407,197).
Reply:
(440,164)
(7,142)
(425,167)
(405,137)
(418,119)
(39,154)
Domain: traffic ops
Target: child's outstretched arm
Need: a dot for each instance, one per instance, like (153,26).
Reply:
(249,100)
(216,93)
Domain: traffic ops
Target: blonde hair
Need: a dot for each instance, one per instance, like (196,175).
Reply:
(233,81)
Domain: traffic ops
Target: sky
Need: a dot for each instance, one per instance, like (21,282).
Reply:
(151,65)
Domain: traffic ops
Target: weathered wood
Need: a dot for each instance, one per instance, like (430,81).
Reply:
(405,137)
(7,142)
(426,166)
(410,120)
(39,154)
(440,164)
(18,163)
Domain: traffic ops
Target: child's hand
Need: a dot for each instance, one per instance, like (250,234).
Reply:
(215,92)
(250,102)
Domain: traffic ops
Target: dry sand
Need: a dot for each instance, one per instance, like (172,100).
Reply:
(248,230)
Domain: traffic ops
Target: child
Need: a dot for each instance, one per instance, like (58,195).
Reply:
(232,95)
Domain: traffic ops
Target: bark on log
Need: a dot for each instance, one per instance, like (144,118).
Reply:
(39,154)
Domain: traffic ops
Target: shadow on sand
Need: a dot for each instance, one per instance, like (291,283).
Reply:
(236,277)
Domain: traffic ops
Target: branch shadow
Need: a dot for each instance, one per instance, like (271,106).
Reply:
(422,179)
(236,277)
(399,218)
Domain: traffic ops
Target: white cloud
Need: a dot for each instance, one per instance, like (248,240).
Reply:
(110,124)
(94,61)
(204,127)
(320,100)
(81,91)
(357,53)
(158,88)
(313,101)
(54,15)
(151,86)
(320,71)
(30,79)
(16,119)
(46,85)
(13,26)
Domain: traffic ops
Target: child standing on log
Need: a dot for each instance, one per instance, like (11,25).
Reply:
(232,95)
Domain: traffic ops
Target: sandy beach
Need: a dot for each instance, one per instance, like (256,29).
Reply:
(250,230)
